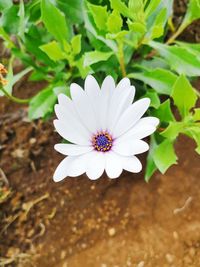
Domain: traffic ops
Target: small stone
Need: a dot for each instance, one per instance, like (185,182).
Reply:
(63,254)
(192,252)
(111,231)
(175,235)
(140,264)
(169,258)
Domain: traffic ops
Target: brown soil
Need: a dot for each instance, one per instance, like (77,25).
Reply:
(124,222)
(77,222)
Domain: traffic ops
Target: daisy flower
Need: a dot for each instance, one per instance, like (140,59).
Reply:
(104,128)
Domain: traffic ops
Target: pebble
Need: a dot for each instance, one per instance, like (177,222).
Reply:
(175,235)
(140,264)
(169,258)
(111,231)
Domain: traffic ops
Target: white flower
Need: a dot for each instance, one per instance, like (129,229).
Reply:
(104,128)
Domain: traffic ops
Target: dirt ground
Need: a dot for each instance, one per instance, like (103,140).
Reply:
(107,223)
(81,223)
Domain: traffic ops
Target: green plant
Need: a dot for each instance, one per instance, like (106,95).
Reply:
(62,41)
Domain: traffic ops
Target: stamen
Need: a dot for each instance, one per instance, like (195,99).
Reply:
(102,141)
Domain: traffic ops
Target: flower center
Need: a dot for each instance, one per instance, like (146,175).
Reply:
(102,141)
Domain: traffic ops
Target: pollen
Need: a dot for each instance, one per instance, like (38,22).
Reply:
(102,141)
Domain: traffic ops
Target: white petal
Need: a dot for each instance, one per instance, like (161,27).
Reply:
(96,165)
(113,165)
(61,171)
(143,128)
(150,120)
(71,133)
(130,147)
(124,83)
(84,108)
(120,100)
(107,89)
(131,164)
(91,86)
(74,129)
(72,150)
(108,84)
(130,116)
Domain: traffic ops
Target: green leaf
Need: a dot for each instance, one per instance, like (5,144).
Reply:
(22,20)
(183,95)
(193,12)
(194,132)
(136,10)
(196,115)
(155,100)
(53,51)
(137,27)
(164,112)
(193,48)
(160,80)
(72,9)
(164,155)
(100,15)
(54,21)
(12,79)
(158,27)
(4,4)
(9,20)
(150,165)
(96,37)
(42,104)
(173,130)
(6,37)
(180,59)
(120,7)
(84,71)
(151,7)
(114,22)
(76,44)
(96,56)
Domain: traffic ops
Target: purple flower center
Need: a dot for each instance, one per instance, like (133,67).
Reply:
(102,141)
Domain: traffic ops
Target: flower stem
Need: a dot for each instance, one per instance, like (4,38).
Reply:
(121,59)
(15,99)
(177,33)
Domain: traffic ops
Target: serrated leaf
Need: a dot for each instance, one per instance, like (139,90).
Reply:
(76,44)
(54,21)
(96,56)
(173,130)
(120,7)
(114,22)
(100,15)
(42,104)
(164,155)
(53,51)
(136,10)
(194,132)
(183,95)
(196,116)
(164,112)
(180,59)
(160,80)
